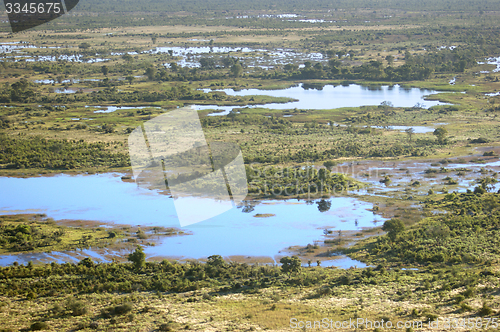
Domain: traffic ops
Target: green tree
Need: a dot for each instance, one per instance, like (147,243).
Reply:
(236,70)
(290,67)
(228,61)
(324,206)
(290,264)
(408,56)
(410,132)
(174,66)
(87,262)
(393,227)
(216,261)
(207,63)
(84,46)
(150,73)
(138,258)
(389,59)
(105,70)
(130,79)
(440,134)
(386,104)
(461,66)
(127,57)
(329,164)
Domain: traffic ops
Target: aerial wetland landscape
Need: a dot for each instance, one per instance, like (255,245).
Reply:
(247,166)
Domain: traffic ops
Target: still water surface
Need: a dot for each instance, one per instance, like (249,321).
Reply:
(330,97)
(106,198)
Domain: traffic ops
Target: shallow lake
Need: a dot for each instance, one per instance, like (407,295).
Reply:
(491,61)
(262,58)
(416,129)
(330,97)
(111,109)
(404,172)
(106,198)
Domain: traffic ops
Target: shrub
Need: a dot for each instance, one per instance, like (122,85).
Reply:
(80,326)
(138,257)
(469,292)
(57,309)
(87,262)
(216,261)
(464,307)
(167,327)
(290,264)
(485,310)
(393,227)
(141,234)
(77,308)
(345,280)
(38,326)
(164,327)
(479,140)
(323,291)
(432,317)
(121,309)
(386,180)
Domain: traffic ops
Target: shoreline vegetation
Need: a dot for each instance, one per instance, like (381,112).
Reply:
(35,233)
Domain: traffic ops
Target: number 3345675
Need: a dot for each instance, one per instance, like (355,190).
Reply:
(33,8)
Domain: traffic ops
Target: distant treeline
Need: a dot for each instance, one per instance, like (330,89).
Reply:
(93,14)
(202,6)
(36,152)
